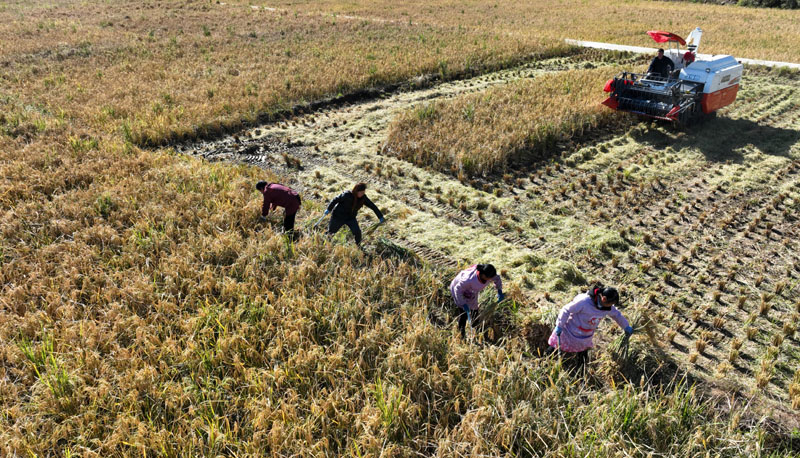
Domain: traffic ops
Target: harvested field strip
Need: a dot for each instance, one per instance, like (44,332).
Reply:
(739,246)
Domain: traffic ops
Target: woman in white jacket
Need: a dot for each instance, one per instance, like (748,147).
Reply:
(578,320)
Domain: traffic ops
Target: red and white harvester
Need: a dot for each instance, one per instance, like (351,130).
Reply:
(696,87)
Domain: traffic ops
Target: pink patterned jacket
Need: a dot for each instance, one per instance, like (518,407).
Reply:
(466,287)
(578,320)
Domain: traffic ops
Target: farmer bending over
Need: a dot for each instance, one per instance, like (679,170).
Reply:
(578,320)
(345,208)
(276,195)
(466,288)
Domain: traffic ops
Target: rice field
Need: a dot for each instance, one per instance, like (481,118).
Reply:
(739,31)
(163,73)
(145,310)
(657,201)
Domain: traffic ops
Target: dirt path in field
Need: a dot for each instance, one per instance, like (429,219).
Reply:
(698,226)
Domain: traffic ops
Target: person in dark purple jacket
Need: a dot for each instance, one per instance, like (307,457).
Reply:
(277,195)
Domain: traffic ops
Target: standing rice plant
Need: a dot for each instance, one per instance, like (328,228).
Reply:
(794,390)
(518,122)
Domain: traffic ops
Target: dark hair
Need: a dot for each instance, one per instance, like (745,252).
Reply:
(660,49)
(358,202)
(486,269)
(261,185)
(608,292)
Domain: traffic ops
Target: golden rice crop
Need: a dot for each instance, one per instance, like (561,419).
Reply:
(149,310)
(598,20)
(486,132)
(144,309)
(209,67)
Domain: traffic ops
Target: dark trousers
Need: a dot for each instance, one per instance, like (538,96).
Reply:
(288,220)
(573,361)
(337,223)
(462,321)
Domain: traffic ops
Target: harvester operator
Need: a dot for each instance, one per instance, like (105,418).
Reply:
(688,58)
(661,65)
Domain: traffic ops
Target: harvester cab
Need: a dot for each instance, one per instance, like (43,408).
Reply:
(695,89)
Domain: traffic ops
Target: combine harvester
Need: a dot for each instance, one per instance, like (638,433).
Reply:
(694,90)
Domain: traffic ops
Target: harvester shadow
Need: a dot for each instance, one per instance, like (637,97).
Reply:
(722,139)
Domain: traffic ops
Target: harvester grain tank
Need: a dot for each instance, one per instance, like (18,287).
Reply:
(695,89)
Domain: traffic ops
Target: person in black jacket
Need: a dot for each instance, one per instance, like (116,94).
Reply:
(661,65)
(345,208)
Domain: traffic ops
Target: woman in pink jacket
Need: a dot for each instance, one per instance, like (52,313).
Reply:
(578,320)
(466,288)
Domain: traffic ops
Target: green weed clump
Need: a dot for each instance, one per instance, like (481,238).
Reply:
(506,125)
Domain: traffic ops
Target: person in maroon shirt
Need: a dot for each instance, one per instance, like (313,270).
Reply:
(277,195)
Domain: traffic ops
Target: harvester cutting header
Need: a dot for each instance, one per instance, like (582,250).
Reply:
(681,88)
